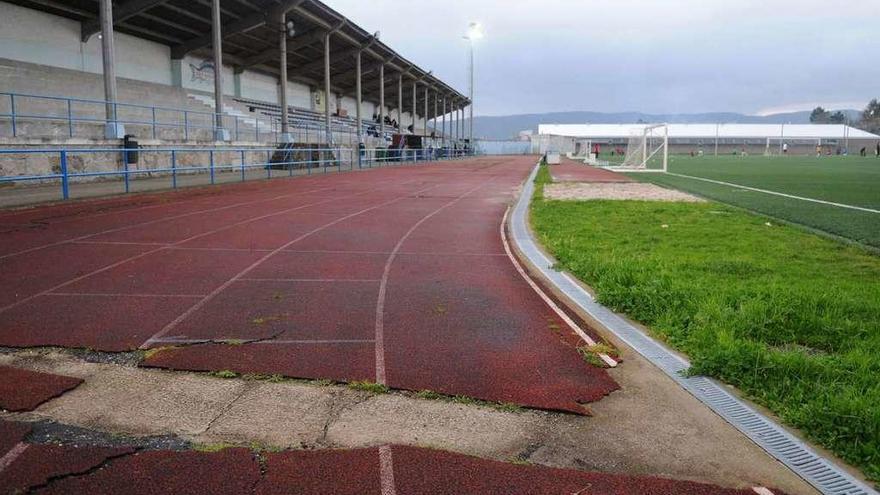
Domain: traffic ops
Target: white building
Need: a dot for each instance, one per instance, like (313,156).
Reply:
(720,138)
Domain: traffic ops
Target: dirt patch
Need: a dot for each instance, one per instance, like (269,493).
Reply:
(615,191)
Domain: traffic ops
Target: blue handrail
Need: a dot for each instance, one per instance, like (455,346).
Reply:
(184,119)
(308,158)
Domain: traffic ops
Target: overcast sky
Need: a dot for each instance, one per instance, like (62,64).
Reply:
(749,56)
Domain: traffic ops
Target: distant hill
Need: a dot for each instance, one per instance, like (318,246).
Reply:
(509,126)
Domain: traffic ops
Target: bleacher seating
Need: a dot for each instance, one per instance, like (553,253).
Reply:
(39,80)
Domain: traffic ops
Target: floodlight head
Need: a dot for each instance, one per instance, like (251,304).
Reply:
(291,28)
(376,35)
(475,31)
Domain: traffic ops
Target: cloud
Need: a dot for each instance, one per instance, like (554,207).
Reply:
(653,56)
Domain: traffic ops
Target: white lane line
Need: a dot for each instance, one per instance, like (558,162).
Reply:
(383,285)
(171,326)
(775,193)
(120,243)
(386,253)
(311,280)
(760,490)
(571,323)
(158,220)
(98,294)
(255,341)
(164,248)
(386,471)
(12,455)
(219,250)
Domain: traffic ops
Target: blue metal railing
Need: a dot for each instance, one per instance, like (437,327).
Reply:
(211,162)
(183,123)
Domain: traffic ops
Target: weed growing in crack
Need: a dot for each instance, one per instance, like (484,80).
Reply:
(212,447)
(227,374)
(469,401)
(366,386)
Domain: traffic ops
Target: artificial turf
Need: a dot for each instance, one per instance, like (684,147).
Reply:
(848,180)
(790,318)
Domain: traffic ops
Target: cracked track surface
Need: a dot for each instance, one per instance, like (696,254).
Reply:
(348,277)
(657,430)
(61,469)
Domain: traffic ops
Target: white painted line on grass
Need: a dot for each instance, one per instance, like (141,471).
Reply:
(559,312)
(775,193)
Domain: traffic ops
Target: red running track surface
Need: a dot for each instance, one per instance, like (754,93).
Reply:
(394,275)
(572,171)
(387,470)
(25,390)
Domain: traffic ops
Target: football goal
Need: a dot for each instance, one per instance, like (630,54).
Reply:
(647,150)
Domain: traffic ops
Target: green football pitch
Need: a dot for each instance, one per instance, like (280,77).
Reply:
(797,189)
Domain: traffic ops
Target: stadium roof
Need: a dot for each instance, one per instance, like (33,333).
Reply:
(250,40)
(710,131)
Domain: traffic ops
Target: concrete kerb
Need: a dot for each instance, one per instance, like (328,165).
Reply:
(819,471)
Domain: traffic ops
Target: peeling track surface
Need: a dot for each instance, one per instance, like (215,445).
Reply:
(396,276)
(24,390)
(27,467)
(824,475)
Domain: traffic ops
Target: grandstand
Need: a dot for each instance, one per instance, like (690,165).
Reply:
(714,139)
(67,83)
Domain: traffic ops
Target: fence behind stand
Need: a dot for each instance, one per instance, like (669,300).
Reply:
(503,147)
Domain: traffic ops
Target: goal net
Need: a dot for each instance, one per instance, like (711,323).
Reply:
(647,150)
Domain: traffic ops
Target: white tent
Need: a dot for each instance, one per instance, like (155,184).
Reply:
(711,131)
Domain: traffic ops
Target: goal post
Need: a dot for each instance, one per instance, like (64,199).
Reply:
(647,150)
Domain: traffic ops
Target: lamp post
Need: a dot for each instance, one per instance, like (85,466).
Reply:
(475,32)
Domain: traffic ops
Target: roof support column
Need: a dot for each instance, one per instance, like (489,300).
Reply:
(220,134)
(358,89)
(425,113)
(400,103)
(443,134)
(327,129)
(461,132)
(434,124)
(415,99)
(453,123)
(282,47)
(112,129)
(382,101)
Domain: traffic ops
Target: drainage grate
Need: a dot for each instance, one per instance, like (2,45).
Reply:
(800,458)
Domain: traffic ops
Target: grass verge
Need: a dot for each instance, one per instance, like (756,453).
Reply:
(790,318)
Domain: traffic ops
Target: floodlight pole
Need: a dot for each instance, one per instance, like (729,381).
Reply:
(471,106)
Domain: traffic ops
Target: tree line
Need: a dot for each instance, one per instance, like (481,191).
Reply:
(869,120)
